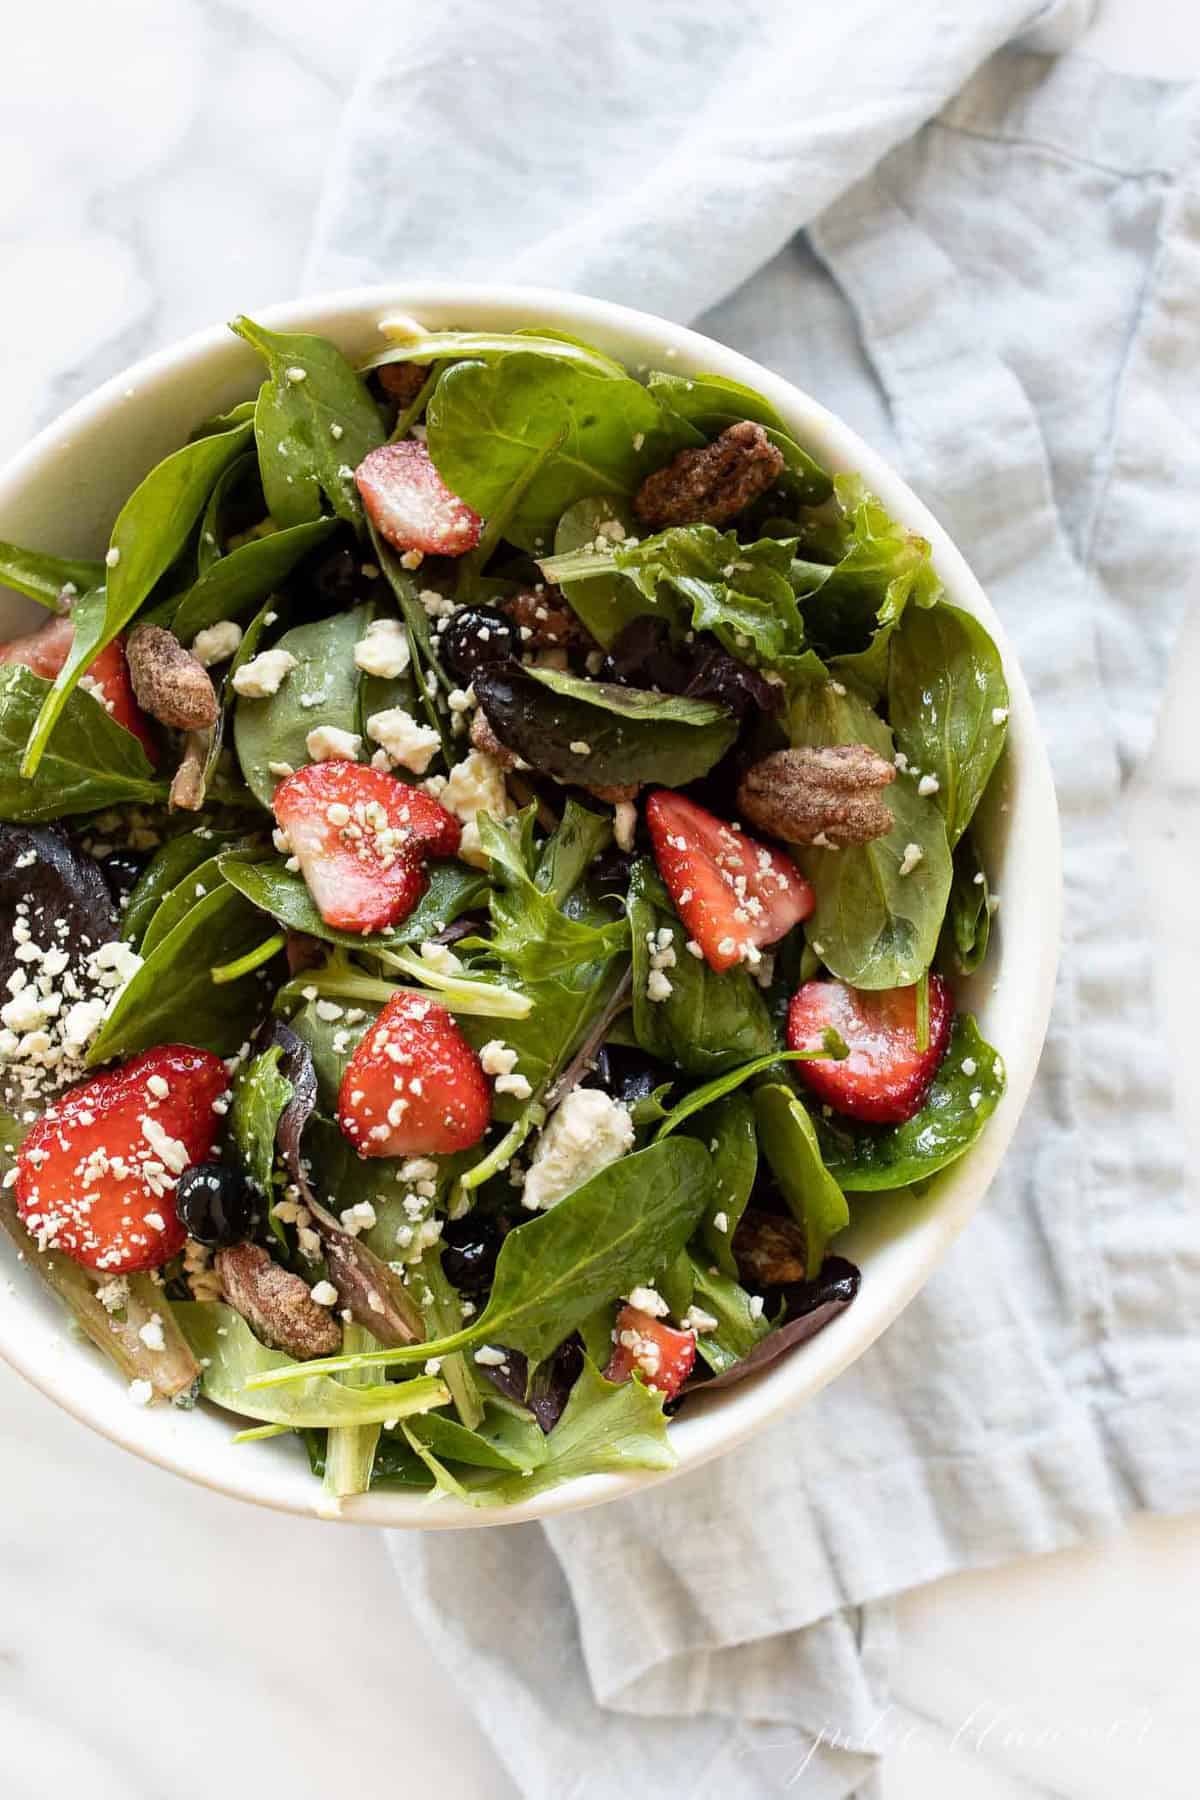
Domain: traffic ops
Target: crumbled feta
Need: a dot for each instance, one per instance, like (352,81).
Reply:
(441,958)
(696,1319)
(216,643)
(913,854)
(648,1300)
(384,650)
(657,986)
(721,1222)
(578,747)
(490,1357)
(151,1334)
(324,1293)
(475,785)
(516,1085)
(328,743)
(496,1058)
(407,743)
(927,785)
(141,1393)
(112,557)
(999,715)
(264,674)
(586,1133)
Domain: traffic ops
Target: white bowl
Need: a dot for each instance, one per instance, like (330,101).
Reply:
(62,493)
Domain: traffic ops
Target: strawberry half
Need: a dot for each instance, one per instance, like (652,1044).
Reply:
(45,651)
(643,1345)
(733,894)
(410,505)
(414,1086)
(885,1077)
(360,837)
(97,1174)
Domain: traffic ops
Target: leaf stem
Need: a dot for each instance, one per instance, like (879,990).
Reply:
(253,959)
(406,419)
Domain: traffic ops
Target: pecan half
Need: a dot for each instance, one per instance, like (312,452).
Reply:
(276,1305)
(402,381)
(169,683)
(827,796)
(710,485)
(768,1250)
(482,737)
(543,612)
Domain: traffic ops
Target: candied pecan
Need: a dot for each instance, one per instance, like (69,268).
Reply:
(826,796)
(484,738)
(709,486)
(616,793)
(768,1250)
(543,612)
(402,381)
(276,1305)
(169,683)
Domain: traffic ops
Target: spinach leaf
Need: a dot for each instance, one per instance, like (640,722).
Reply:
(880,568)
(151,529)
(713,402)
(489,424)
(232,1360)
(172,999)
(948,705)
(237,583)
(452,889)
(727,1127)
(43,577)
(260,1094)
(709,1022)
(211,545)
(237,415)
(165,870)
(314,423)
(94,763)
(489,346)
(556,1269)
(321,690)
(175,905)
(600,734)
(720,1085)
(964,1095)
(740,1325)
(788,1140)
(968,925)
(873,926)
(604,600)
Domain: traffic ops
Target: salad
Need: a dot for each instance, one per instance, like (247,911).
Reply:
(486,863)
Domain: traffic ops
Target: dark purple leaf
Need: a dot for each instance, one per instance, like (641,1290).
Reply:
(808,1308)
(552,1382)
(645,655)
(68,902)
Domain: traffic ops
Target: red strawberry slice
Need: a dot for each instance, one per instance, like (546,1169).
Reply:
(643,1345)
(885,1077)
(360,837)
(97,1174)
(733,894)
(45,651)
(410,505)
(414,1085)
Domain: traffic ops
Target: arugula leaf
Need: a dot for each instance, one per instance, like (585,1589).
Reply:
(626,734)
(275,729)
(964,1095)
(873,926)
(173,999)
(488,423)
(233,1360)
(43,577)
(94,763)
(709,1023)
(968,923)
(260,1093)
(151,529)
(713,402)
(881,568)
(236,584)
(554,1270)
(165,870)
(739,1325)
(788,1140)
(948,704)
(727,1128)
(452,889)
(489,346)
(314,423)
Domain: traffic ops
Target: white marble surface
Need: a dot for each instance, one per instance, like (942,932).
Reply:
(151,1633)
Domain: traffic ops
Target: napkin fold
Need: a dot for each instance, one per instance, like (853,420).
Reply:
(985,258)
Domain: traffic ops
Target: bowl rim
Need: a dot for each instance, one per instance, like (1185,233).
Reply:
(725,1421)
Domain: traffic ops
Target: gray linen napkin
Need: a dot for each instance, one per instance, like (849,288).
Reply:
(996,285)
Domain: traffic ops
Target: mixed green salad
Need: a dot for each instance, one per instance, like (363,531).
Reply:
(487,860)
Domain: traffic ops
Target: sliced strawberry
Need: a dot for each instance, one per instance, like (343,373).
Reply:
(97,1174)
(45,651)
(414,1086)
(885,1077)
(643,1345)
(734,894)
(410,505)
(360,837)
